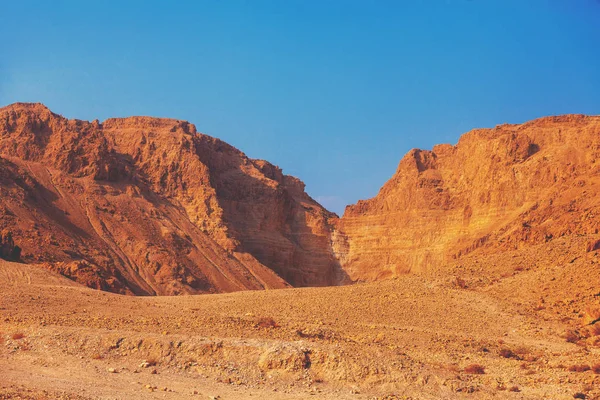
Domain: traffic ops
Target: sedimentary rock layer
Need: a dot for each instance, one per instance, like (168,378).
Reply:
(150,206)
(499,188)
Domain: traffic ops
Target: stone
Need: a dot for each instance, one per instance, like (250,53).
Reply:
(495,190)
(184,212)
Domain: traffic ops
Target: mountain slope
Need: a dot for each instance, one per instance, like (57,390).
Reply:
(497,189)
(150,206)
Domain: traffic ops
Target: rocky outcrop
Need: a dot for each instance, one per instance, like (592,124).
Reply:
(150,206)
(499,188)
(8,250)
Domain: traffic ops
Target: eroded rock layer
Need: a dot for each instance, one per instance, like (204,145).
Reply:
(497,189)
(150,206)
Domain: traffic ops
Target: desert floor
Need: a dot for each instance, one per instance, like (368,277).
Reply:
(413,337)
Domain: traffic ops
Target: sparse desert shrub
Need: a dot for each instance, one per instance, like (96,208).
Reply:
(514,389)
(507,353)
(460,283)
(152,361)
(579,395)
(579,368)
(18,335)
(520,353)
(596,368)
(572,336)
(475,369)
(266,322)
(524,353)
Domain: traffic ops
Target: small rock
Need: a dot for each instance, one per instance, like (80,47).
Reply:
(112,370)
(154,371)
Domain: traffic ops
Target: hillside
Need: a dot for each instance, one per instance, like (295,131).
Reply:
(150,206)
(482,261)
(497,189)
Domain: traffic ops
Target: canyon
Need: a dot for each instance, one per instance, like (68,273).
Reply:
(472,274)
(149,206)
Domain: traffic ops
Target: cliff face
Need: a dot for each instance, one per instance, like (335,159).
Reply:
(500,188)
(150,206)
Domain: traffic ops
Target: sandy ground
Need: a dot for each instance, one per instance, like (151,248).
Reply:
(414,337)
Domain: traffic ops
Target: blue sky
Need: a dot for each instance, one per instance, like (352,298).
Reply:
(333,91)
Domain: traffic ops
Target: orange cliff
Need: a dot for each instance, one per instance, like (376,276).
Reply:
(497,189)
(150,206)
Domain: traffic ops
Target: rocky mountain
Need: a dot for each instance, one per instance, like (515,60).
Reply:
(150,206)
(496,190)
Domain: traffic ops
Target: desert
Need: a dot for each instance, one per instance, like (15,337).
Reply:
(142,259)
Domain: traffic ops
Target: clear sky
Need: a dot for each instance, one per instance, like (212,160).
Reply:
(333,91)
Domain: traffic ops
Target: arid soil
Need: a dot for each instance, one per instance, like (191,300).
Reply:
(519,316)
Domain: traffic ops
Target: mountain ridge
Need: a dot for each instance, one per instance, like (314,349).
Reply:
(113,189)
(147,205)
(496,188)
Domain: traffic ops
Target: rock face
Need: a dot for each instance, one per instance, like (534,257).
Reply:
(8,250)
(497,189)
(150,206)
